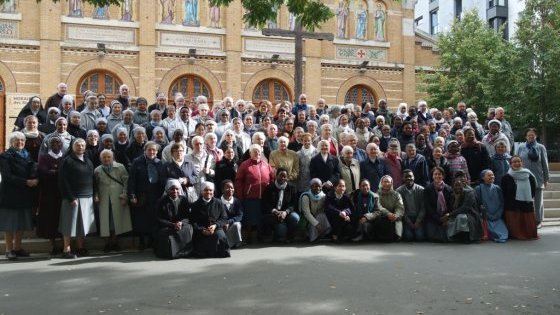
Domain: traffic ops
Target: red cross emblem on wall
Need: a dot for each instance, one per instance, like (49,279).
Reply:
(361,53)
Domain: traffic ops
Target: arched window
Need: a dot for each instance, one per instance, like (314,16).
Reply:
(271,90)
(99,81)
(190,86)
(359,94)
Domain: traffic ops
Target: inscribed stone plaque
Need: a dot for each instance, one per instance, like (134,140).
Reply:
(270,46)
(8,29)
(190,40)
(100,34)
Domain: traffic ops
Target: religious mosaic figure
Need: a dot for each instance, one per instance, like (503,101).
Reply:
(75,8)
(191,13)
(380,22)
(101,12)
(9,6)
(126,8)
(341,18)
(361,22)
(215,16)
(291,21)
(167,11)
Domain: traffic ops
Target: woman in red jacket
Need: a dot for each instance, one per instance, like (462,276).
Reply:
(252,178)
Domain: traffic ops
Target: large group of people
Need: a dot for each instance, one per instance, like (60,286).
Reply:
(193,180)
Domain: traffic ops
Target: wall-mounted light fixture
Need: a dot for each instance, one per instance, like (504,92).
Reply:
(274,60)
(101,50)
(363,66)
(192,55)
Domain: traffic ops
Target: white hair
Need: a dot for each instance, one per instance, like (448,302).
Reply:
(347,148)
(256,135)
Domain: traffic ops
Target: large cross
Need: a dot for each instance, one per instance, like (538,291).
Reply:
(299,35)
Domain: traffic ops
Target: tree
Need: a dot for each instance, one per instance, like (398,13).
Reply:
(537,62)
(469,53)
(310,13)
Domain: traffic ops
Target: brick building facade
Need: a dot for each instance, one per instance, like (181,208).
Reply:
(150,46)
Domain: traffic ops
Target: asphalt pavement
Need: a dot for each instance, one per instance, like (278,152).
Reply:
(519,277)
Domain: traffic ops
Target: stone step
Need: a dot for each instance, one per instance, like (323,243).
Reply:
(551,194)
(551,203)
(551,222)
(554,177)
(553,187)
(92,243)
(551,212)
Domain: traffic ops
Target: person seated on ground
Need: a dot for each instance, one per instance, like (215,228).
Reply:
(338,208)
(414,210)
(491,201)
(234,210)
(387,220)
(463,222)
(278,205)
(174,233)
(312,206)
(208,217)
(437,200)
(366,202)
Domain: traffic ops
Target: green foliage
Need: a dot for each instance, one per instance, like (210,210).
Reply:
(311,13)
(537,62)
(469,53)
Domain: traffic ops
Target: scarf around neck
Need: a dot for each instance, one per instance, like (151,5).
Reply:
(521,177)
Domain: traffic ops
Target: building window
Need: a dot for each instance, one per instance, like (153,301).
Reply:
(458,9)
(1,87)
(497,3)
(99,81)
(359,94)
(190,86)
(272,90)
(434,23)
(418,21)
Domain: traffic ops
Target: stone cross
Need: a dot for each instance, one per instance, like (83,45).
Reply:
(298,34)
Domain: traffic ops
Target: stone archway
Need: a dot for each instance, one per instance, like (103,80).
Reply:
(8,78)
(264,74)
(195,70)
(85,67)
(376,88)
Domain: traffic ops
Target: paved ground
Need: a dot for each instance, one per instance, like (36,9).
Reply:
(513,278)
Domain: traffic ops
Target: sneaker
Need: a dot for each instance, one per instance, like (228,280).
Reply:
(11,255)
(68,255)
(539,226)
(21,253)
(358,238)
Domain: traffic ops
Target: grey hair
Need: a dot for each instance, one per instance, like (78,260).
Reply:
(16,135)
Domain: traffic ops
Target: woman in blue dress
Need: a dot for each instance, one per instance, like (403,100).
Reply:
(491,200)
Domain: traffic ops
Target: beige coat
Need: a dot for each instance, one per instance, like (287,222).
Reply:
(108,190)
(345,174)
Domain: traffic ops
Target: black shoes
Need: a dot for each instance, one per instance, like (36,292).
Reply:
(82,252)
(68,255)
(11,255)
